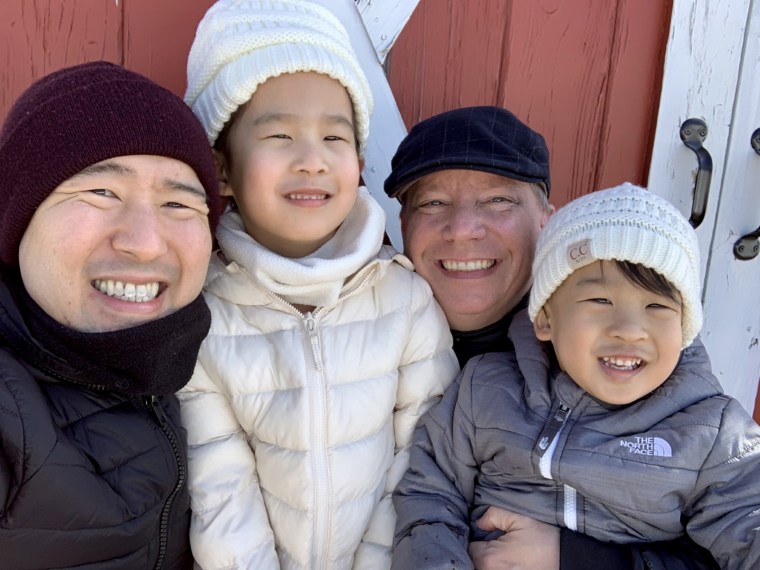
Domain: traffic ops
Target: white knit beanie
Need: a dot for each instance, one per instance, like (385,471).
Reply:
(239,44)
(625,223)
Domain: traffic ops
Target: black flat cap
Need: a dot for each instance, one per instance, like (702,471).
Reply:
(490,139)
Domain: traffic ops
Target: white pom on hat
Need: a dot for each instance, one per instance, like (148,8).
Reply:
(239,44)
(625,223)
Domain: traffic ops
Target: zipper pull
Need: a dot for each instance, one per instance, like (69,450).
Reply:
(552,427)
(316,349)
(154,405)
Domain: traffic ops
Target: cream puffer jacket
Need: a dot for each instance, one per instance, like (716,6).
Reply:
(299,423)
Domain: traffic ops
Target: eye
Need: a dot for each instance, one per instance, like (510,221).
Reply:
(430,205)
(282,136)
(661,307)
(334,138)
(599,301)
(102,192)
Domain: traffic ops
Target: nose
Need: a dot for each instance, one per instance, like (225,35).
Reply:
(310,157)
(463,224)
(627,324)
(140,233)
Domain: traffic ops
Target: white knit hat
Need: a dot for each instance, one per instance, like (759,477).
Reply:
(625,223)
(239,44)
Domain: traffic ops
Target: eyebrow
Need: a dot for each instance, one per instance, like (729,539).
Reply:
(267,118)
(194,190)
(108,167)
(591,281)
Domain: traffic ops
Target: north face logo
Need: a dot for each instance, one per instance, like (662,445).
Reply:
(648,446)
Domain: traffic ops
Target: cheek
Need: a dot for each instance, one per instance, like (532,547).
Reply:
(193,245)
(416,235)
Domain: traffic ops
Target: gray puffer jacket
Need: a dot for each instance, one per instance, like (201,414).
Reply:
(515,432)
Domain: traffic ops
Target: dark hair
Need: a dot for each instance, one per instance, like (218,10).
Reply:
(648,279)
(222,142)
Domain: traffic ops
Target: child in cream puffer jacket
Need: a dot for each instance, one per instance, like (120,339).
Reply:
(325,346)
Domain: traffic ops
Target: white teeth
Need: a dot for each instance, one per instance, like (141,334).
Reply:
(476,265)
(622,363)
(135,293)
(307,196)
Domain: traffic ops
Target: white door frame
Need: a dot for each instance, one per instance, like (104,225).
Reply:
(711,68)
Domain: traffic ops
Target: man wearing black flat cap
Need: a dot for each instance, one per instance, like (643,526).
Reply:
(474,186)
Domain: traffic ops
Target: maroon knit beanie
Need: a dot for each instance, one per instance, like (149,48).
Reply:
(81,115)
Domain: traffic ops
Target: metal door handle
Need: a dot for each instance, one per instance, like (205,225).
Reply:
(693,134)
(747,247)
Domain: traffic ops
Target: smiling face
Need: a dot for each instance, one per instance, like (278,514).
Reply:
(616,340)
(123,242)
(293,167)
(472,236)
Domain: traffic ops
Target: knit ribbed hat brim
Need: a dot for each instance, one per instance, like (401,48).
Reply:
(625,223)
(239,44)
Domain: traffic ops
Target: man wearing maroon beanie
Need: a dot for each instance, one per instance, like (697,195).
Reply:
(108,201)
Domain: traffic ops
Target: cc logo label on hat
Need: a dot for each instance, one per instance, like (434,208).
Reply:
(579,251)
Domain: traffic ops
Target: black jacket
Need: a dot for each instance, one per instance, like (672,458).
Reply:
(88,478)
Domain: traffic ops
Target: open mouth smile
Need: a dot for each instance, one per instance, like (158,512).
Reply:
(125,291)
(623,364)
(474,265)
(306,196)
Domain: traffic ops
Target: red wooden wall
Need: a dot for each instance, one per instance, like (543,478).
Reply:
(584,73)
(152,37)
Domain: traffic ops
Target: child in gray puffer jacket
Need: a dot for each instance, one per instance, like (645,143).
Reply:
(606,419)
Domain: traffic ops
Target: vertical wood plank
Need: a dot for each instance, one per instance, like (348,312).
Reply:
(157,38)
(556,80)
(40,36)
(448,56)
(638,53)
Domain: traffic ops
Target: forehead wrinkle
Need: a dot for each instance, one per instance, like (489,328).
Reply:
(105,167)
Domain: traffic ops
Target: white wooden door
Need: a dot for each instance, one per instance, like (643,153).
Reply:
(712,72)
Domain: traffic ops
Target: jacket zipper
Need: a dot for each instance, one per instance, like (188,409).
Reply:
(547,445)
(154,405)
(322,504)
(322,491)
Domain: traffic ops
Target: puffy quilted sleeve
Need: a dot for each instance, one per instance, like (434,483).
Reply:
(229,526)
(427,367)
(434,496)
(10,454)
(724,513)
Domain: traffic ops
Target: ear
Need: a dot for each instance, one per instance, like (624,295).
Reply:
(546,215)
(542,325)
(222,173)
